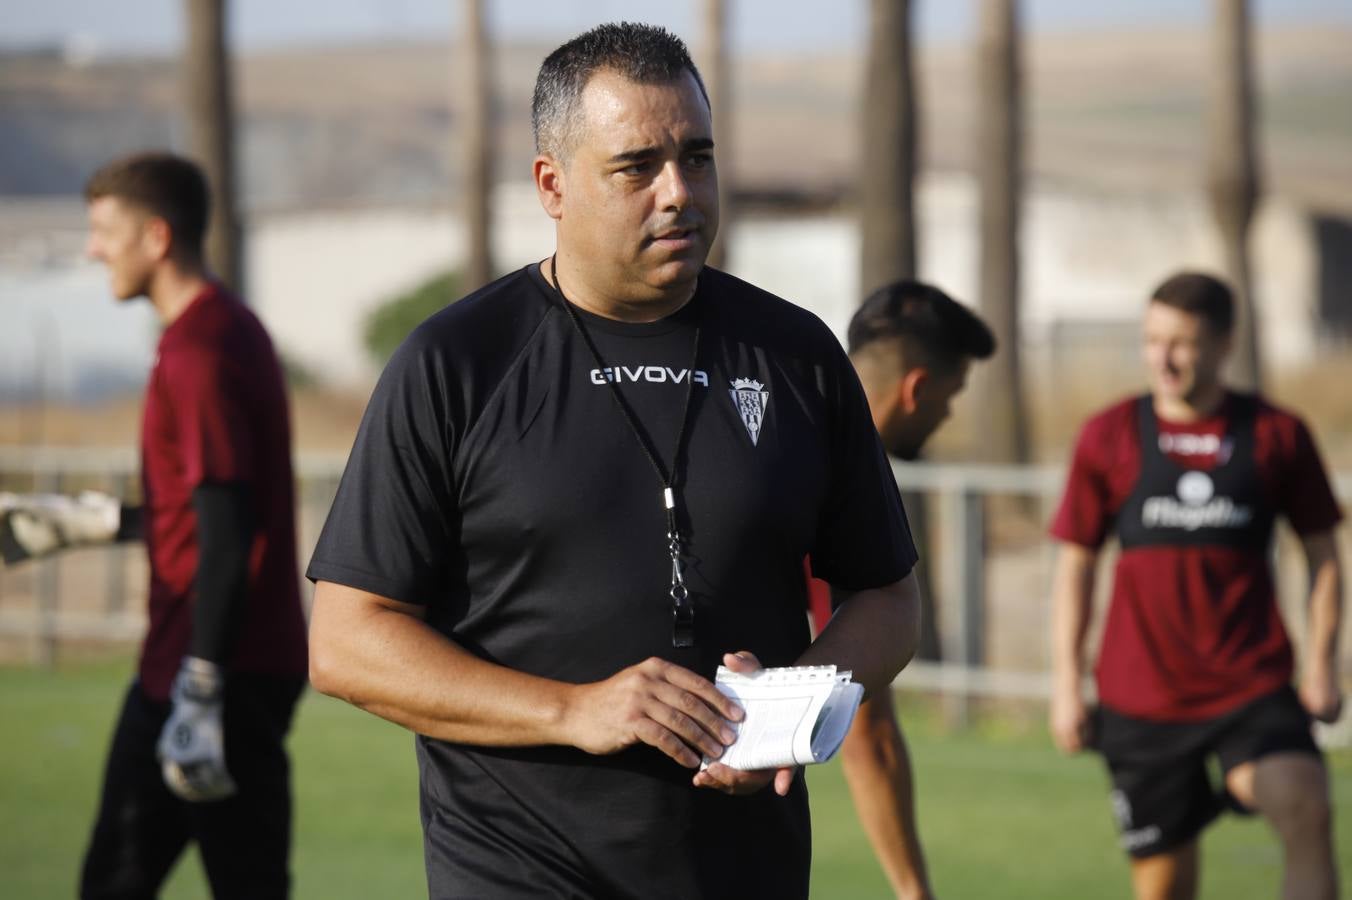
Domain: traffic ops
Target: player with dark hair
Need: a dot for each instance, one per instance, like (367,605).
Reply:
(197,754)
(1194,664)
(578,491)
(912,346)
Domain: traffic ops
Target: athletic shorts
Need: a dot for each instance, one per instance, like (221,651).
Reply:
(1163,794)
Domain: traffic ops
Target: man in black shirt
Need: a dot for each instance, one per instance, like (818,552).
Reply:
(579,490)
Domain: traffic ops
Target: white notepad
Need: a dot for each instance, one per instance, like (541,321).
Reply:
(796,715)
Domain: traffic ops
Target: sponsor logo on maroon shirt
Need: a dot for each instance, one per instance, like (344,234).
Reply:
(1182,443)
(1196,506)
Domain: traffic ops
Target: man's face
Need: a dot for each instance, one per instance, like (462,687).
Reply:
(921,401)
(638,195)
(1183,356)
(127,242)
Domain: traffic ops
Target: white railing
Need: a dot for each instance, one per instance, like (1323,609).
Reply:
(961,491)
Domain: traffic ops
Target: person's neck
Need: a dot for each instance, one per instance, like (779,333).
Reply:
(572,283)
(1203,404)
(174,287)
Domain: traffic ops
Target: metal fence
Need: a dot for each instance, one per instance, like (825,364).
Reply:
(989,563)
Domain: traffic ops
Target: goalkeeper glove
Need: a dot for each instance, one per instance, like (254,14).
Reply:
(34,525)
(191,749)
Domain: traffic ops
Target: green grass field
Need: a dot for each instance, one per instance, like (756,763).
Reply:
(1002,814)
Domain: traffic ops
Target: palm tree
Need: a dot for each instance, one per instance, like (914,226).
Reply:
(886,201)
(211,132)
(998,180)
(716,82)
(887,173)
(1232,176)
(476,144)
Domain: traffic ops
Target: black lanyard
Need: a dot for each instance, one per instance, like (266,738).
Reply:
(682,610)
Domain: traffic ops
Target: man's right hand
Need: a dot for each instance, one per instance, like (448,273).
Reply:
(1069,719)
(37,525)
(656,703)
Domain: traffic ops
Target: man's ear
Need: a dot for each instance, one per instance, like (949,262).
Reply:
(157,238)
(548,174)
(909,387)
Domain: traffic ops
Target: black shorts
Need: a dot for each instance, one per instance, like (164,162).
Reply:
(244,841)
(1163,794)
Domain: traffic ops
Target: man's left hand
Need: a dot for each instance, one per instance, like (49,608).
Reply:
(191,748)
(1320,693)
(735,781)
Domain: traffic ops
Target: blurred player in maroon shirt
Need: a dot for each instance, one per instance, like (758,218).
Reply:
(912,346)
(197,754)
(1194,662)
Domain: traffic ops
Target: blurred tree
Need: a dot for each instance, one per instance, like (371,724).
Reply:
(999,174)
(1232,173)
(211,131)
(717,79)
(887,174)
(476,140)
(388,325)
(886,199)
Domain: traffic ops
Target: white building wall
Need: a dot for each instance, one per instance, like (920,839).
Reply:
(314,276)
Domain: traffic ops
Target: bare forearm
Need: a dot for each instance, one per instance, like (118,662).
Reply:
(878,771)
(1320,688)
(394,665)
(874,634)
(1326,612)
(1072,594)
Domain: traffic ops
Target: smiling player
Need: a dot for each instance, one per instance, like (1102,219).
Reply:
(1195,664)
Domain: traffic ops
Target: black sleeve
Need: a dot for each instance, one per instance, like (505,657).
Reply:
(390,530)
(130,524)
(225,529)
(863,539)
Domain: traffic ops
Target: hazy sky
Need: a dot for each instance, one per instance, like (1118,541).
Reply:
(121,26)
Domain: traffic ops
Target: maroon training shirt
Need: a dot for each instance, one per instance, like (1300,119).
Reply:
(1192,631)
(216,411)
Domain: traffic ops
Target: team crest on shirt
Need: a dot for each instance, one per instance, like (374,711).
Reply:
(751,400)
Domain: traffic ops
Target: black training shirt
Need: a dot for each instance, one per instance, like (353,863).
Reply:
(495,482)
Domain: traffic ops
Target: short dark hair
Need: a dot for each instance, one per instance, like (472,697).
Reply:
(936,330)
(1201,295)
(645,54)
(164,185)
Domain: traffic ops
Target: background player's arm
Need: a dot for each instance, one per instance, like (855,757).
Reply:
(192,743)
(878,772)
(873,634)
(131,524)
(1072,596)
(225,530)
(36,525)
(1320,690)
(379,654)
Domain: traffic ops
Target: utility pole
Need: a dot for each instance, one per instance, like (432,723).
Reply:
(1232,174)
(211,132)
(476,142)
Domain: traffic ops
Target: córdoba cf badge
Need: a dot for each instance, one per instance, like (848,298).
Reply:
(751,399)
